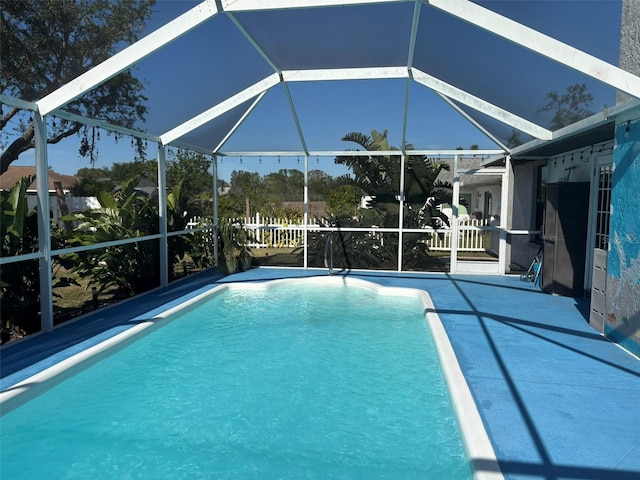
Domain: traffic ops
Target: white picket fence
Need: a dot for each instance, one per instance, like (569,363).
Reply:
(268,232)
(473,236)
(271,232)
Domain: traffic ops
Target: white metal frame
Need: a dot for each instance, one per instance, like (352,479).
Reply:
(462,9)
(44,232)
(129,56)
(541,44)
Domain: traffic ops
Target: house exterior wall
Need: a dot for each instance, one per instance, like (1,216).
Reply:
(629,40)
(578,166)
(622,296)
(74,204)
(573,166)
(622,302)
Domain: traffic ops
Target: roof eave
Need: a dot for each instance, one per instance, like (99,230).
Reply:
(592,130)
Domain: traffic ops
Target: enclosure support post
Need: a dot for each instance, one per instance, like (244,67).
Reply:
(44,224)
(455,201)
(214,232)
(401,209)
(162,207)
(306,210)
(505,220)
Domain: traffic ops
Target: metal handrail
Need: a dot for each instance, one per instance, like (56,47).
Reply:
(328,253)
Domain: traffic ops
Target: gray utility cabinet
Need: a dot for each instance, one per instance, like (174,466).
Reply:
(598,289)
(565,238)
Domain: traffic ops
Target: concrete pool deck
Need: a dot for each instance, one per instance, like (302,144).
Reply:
(558,400)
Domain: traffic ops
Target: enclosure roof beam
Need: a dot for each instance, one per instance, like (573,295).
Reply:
(18,103)
(360,153)
(239,122)
(478,104)
(129,56)
(412,48)
(253,42)
(326,74)
(542,44)
(91,122)
(222,107)
(296,119)
(473,122)
(254,5)
(266,57)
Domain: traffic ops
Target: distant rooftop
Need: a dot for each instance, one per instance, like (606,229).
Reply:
(14,174)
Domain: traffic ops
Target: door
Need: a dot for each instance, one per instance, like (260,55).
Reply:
(488,206)
(565,238)
(476,242)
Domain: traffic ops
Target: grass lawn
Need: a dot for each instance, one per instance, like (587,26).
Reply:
(72,296)
(277,257)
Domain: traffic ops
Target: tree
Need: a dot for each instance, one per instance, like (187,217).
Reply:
(378,175)
(513,140)
(244,186)
(92,181)
(284,185)
(320,184)
(569,107)
(344,201)
(19,282)
(231,206)
(130,268)
(123,171)
(45,44)
(193,171)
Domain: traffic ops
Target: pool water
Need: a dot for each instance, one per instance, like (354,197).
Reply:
(290,382)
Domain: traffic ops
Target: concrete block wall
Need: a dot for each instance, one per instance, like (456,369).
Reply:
(629,41)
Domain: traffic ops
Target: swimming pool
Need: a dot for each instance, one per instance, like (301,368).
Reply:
(259,381)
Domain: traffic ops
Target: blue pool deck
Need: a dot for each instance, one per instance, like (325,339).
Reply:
(558,400)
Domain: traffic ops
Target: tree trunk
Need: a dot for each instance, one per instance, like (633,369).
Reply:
(19,145)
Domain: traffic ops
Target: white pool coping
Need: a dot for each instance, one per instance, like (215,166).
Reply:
(478,447)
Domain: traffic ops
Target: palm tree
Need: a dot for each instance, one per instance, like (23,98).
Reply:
(378,176)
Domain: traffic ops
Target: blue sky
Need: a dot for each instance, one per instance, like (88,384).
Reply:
(476,60)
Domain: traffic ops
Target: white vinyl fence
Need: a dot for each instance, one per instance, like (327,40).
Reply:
(271,232)
(473,236)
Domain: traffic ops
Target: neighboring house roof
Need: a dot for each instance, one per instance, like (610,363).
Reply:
(146,186)
(468,181)
(14,174)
